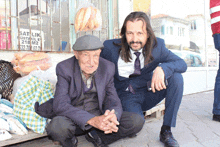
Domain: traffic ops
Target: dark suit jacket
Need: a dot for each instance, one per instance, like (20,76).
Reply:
(69,88)
(162,56)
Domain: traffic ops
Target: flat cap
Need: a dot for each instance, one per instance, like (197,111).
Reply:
(87,42)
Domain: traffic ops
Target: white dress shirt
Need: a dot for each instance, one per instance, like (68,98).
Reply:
(126,69)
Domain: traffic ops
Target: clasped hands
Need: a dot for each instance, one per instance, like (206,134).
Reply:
(106,122)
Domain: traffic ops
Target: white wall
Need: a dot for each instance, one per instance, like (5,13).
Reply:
(198,79)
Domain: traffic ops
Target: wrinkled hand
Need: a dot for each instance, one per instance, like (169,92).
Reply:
(107,122)
(157,82)
(111,121)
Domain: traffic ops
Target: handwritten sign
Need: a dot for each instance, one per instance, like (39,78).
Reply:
(35,39)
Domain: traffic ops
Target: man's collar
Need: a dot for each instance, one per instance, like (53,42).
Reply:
(91,75)
(133,51)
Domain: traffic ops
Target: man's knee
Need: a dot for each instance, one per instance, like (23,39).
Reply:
(59,127)
(138,122)
(176,80)
(131,122)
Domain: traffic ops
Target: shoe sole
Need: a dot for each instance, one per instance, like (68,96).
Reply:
(76,143)
(215,119)
(165,144)
(90,140)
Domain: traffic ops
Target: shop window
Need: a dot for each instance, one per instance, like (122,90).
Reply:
(179,31)
(183,30)
(116,28)
(103,7)
(167,30)
(5,25)
(193,25)
(44,25)
(197,61)
(171,30)
(162,30)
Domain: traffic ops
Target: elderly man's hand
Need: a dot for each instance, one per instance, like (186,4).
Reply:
(107,122)
(111,121)
(157,82)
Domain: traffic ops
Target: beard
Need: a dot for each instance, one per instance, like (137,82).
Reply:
(138,42)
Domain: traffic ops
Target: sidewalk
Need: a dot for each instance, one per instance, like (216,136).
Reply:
(195,127)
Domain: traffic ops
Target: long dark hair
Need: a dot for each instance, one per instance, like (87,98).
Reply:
(151,41)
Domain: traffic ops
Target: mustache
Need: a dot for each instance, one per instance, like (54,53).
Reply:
(132,42)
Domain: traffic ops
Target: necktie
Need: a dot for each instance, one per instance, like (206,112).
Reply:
(137,65)
(137,70)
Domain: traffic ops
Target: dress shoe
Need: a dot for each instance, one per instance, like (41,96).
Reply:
(132,136)
(167,138)
(95,139)
(216,117)
(74,144)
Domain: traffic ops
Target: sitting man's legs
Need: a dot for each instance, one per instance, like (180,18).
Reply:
(129,125)
(174,94)
(63,130)
(145,100)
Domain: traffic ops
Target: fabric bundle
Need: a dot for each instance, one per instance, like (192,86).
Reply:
(10,124)
(31,91)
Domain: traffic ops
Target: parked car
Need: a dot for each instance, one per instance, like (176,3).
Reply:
(192,59)
(212,63)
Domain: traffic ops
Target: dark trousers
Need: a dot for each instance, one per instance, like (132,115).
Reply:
(144,100)
(216,105)
(64,130)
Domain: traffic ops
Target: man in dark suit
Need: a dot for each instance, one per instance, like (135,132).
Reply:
(146,72)
(86,101)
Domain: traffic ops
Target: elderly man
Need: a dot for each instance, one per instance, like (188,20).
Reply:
(146,72)
(86,101)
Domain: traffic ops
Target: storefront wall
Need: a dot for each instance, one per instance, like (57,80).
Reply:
(198,80)
(190,32)
(51,25)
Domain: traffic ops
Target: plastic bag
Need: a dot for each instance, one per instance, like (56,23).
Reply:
(4,135)
(16,125)
(17,83)
(47,75)
(9,121)
(6,106)
(25,62)
(88,17)
(4,124)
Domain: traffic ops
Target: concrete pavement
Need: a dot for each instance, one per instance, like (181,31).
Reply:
(195,127)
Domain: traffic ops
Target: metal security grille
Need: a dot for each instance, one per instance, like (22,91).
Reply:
(47,25)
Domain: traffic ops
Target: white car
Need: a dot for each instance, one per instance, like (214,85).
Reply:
(192,59)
